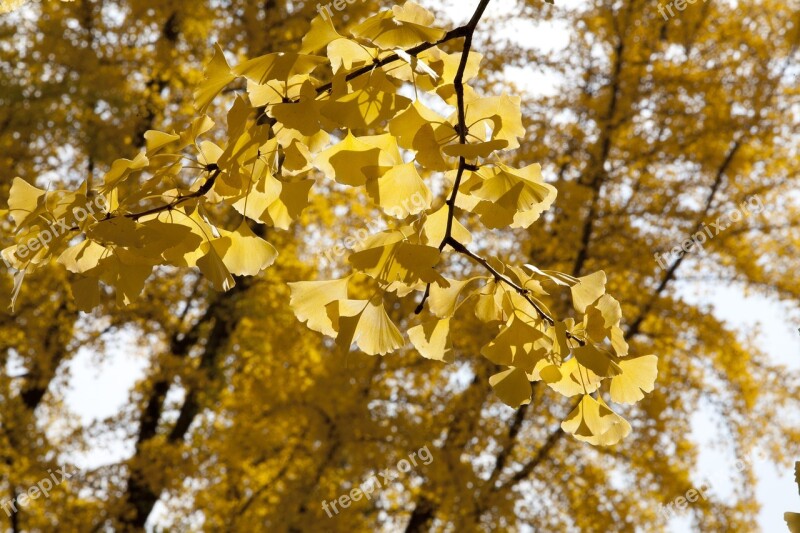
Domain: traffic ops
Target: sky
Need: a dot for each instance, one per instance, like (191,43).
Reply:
(101,387)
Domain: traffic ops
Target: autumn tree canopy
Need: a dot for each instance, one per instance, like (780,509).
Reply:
(175,173)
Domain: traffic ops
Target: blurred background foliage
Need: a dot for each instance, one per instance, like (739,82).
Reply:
(243,420)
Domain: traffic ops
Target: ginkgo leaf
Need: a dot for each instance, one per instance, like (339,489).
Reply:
(435,228)
(156,140)
(601,316)
(549,373)
(121,169)
(618,341)
(592,421)
(588,290)
(638,376)
(321,33)
(443,300)
(575,379)
(597,360)
(432,340)
(489,307)
(277,66)
(297,156)
(400,28)
(214,269)
(310,298)
(518,344)
(346,53)
(503,196)
(393,190)
(389,258)
(406,125)
(355,160)
(243,252)
(198,127)
(558,335)
(475,150)
(500,114)
(302,113)
(274,202)
(365,324)
(512,387)
(188,231)
(218,76)
(366,103)
(25,202)
(83,257)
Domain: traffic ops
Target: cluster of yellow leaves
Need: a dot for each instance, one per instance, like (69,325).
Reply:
(287,128)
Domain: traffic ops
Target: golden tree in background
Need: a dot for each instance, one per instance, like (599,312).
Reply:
(657,127)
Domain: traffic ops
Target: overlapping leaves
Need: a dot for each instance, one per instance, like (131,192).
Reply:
(334,112)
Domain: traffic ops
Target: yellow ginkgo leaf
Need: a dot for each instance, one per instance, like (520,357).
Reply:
(435,228)
(243,252)
(365,324)
(514,197)
(355,160)
(218,75)
(432,340)
(365,102)
(638,376)
(83,257)
(309,298)
(443,300)
(474,151)
(397,263)
(321,33)
(347,54)
(393,190)
(601,317)
(25,202)
(407,125)
(597,360)
(500,114)
(592,421)
(512,387)
(395,29)
(558,335)
(214,269)
(274,202)
(489,307)
(588,290)
(520,343)
(277,66)
(121,169)
(575,379)
(156,140)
